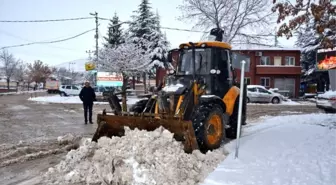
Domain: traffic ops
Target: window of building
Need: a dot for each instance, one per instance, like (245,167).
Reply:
(265,81)
(265,61)
(248,80)
(290,61)
(277,61)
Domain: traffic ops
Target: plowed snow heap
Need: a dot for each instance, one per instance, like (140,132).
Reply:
(139,157)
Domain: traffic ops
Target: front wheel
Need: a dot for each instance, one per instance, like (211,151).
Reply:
(209,123)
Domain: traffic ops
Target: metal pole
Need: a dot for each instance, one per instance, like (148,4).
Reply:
(240,107)
(96,37)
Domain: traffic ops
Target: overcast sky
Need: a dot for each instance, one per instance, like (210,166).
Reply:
(20,33)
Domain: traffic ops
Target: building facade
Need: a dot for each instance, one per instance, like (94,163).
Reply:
(274,68)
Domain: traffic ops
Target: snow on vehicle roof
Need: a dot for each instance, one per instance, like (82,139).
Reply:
(252,86)
(328,95)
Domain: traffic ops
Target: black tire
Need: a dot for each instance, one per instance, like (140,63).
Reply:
(232,131)
(329,111)
(62,94)
(275,100)
(202,126)
(247,100)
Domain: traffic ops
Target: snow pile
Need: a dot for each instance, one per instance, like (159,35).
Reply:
(328,95)
(290,102)
(60,99)
(296,149)
(139,158)
(73,100)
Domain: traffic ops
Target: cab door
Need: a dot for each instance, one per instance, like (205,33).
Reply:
(222,81)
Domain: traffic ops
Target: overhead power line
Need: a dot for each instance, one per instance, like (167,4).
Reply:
(107,19)
(47,20)
(48,42)
(24,39)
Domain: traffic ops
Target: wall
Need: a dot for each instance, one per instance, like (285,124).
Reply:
(272,72)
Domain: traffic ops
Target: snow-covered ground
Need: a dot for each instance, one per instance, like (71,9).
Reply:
(131,101)
(293,150)
(72,100)
(29,145)
(274,150)
(288,102)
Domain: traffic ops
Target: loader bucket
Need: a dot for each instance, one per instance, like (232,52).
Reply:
(113,125)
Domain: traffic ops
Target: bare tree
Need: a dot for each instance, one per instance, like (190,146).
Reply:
(20,72)
(9,65)
(243,21)
(39,72)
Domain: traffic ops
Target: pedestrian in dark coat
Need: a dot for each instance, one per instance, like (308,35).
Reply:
(88,96)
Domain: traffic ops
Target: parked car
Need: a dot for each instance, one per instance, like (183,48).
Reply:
(327,101)
(69,90)
(258,93)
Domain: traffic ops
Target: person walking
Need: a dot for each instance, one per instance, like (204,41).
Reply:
(88,96)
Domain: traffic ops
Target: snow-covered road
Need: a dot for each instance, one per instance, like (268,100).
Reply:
(283,150)
(29,131)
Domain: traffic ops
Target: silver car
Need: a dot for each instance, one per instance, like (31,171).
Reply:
(327,102)
(258,93)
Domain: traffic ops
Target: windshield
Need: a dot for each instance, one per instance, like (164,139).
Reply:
(202,62)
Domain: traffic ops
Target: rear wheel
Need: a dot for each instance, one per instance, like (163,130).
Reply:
(247,100)
(209,124)
(275,100)
(63,94)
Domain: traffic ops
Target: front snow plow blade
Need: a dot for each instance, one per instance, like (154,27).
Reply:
(113,125)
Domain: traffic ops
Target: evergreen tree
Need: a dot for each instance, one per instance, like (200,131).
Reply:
(143,20)
(114,34)
(146,25)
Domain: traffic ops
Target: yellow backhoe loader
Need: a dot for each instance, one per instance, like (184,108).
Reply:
(198,101)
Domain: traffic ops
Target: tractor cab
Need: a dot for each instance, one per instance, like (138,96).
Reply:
(211,65)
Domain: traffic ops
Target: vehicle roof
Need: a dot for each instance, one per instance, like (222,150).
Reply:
(252,86)
(216,44)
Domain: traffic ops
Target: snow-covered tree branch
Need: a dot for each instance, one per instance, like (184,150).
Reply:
(128,58)
(242,20)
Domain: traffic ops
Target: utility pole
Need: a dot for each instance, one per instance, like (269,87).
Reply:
(96,37)
(276,38)
(89,52)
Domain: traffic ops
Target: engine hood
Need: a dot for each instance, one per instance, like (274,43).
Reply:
(177,85)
